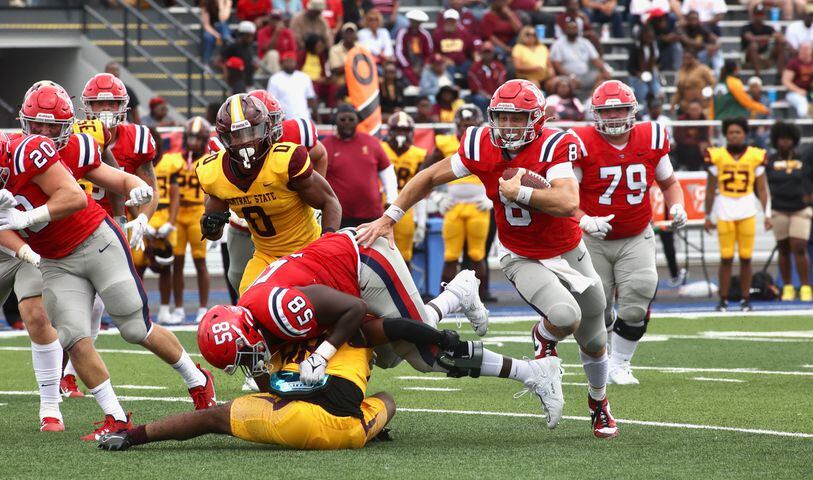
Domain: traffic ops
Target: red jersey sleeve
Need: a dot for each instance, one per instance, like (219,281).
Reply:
(32,155)
(469,153)
(301,131)
(300,166)
(87,158)
(143,145)
(660,141)
(287,314)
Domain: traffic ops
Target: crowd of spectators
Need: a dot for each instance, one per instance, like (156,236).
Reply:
(471,47)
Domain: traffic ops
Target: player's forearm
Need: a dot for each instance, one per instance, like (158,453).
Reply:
(331,214)
(66,201)
(346,325)
(561,200)
(10,241)
(416,189)
(672,194)
(762,194)
(318,156)
(711,187)
(184,426)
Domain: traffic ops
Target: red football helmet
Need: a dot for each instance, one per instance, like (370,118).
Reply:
(104,87)
(242,125)
(613,95)
(5,159)
(41,83)
(47,110)
(516,96)
(275,113)
(227,339)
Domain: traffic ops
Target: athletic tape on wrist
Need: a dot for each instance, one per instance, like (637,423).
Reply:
(524,195)
(326,350)
(395,213)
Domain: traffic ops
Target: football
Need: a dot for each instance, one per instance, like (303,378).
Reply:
(529,178)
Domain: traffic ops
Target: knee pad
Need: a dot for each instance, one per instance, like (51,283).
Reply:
(633,304)
(564,315)
(128,310)
(631,331)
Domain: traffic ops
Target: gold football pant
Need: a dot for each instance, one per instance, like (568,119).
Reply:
(464,223)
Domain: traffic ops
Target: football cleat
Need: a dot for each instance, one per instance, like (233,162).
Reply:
(602,419)
(165,317)
(722,306)
(109,425)
(51,424)
(115,442)
(806,293)
(745,305)
(466,288)
(621,374)
(201,312)
(178,316)
(542,346)
(546,383)
(18,325)
(250,385)
(69,388)
(789,293)
(203,396)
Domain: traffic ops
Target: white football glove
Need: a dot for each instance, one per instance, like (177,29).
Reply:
(443,201)
(419,235)
(679,216)
(27,255)
(13,219)
(137,228)
(597,227)
(484,204)
(312,370)
(165,229)
(150,232)
(7,199)
(139,196)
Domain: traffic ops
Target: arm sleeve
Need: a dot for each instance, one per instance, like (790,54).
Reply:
(664,168)
(458,168)
(399,48)
(560,170)
(390,183)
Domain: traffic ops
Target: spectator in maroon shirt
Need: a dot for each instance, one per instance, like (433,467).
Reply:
(413,46)
(485,75)
(530,12)
(572,13)
(454,42)
(467,19)
(500,26)
(274,39)
(357,165)
(253,10)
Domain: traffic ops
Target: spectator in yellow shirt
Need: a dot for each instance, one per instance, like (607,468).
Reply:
(531,59)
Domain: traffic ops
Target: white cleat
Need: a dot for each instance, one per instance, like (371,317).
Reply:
(621,374)
(165,317)
(250,385)
(178,316)
(465,286)
(201,312)
(546,384)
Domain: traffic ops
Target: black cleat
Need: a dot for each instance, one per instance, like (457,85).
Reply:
(114,442)
(722,306)
(745,305)
(383,435)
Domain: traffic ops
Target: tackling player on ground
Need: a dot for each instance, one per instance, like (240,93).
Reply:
(620,160)
(541,248)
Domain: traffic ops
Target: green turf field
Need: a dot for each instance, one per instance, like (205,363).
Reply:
(720,398)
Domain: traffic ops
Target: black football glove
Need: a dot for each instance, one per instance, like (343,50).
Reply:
(115,442)
(211,225)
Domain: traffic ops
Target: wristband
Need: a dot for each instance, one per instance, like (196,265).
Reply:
(325,350)
(395,213)
(524,195)
(39,215)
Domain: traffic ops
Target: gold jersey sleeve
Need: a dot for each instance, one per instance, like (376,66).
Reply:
(279,220)
(93,127)
(168,166)
(405,165)
(448,145)
(736,177)
(348,362)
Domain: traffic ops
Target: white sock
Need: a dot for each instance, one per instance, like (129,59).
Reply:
(191,374)
(545,333)
(108,401)
(496,365)
(623,349)
(69,370)
(163,310)
(96,317)
(596,370)
(47,361)
(442,305)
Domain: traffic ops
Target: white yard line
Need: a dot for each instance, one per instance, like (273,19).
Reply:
(100,350)
(712,370)
(432,389)
(708,379)
(141,387)
(418,377)
(623,421)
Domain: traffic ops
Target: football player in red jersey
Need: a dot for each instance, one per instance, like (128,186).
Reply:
(619,161)
(105,98)
(541,249)
(19,272)
(324,291)
(85,252)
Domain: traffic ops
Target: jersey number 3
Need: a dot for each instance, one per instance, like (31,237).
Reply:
(636,181)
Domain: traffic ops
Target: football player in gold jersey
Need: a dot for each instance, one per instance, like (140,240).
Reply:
(273,187)
(406,158)
(736,169)
(464,205)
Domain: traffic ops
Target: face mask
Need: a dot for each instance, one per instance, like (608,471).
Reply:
(107,118)
(246,153)
(400,140)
